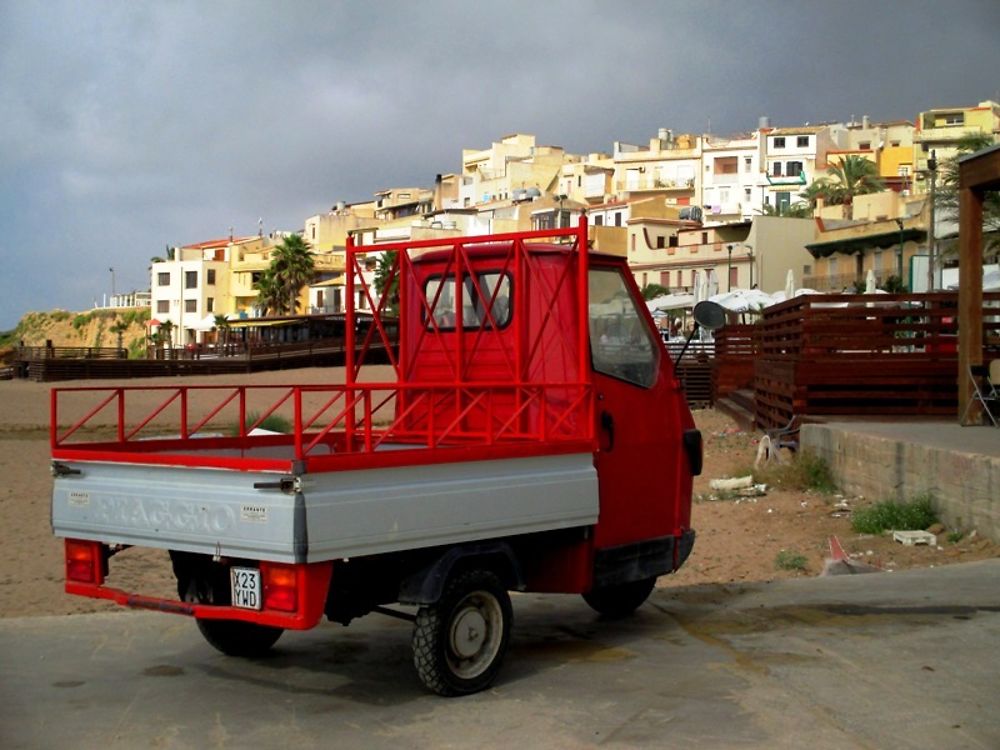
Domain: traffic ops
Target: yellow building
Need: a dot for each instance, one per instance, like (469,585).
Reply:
(512,169)
(940,130)
(669,167)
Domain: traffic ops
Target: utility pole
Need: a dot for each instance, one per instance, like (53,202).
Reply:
(931,239)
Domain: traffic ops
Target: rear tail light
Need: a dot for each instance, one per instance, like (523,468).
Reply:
(84,562)
(280,586)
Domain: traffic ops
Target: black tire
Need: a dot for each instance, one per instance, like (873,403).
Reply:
(620,600)
(231,637)
(459,643)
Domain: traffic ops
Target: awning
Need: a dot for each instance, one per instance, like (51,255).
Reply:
(262,323)
(860,243)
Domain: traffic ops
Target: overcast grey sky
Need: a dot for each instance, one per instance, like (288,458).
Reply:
(126,127)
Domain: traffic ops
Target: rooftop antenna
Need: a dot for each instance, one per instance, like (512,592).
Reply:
(260,227)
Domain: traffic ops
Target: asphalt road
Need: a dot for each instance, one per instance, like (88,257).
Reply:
(892,660)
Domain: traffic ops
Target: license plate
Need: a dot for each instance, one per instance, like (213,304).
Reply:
(245,587)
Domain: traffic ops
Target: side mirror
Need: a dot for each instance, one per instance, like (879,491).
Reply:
(708,315)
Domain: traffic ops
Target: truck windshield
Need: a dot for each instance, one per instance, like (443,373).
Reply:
(474,303)
(621,344)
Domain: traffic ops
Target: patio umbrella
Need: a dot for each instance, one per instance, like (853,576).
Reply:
(870,287)
(674,301)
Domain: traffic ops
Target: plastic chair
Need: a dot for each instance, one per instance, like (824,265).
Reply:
(985,380)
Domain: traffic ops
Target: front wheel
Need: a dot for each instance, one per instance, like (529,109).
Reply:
(621,599)
(231,637)
(459,642)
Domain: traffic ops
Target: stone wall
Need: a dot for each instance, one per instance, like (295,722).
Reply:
(959,467)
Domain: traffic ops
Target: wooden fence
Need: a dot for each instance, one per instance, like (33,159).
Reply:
(863,354)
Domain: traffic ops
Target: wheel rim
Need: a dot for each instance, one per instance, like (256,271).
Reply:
(474,634)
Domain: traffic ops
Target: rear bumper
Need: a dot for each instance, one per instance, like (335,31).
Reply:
(312,586)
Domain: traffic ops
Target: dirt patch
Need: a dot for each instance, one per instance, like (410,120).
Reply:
(737,540)
(740,539)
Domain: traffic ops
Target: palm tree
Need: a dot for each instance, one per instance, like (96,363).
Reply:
(292,266)
(119,329)
(946,197)
(853,175)
(269,293)
(222,326)
(166,331)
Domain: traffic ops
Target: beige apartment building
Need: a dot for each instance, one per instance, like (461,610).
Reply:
(669,168)
(512,169)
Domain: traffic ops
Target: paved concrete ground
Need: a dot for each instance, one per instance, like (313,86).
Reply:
(900,660)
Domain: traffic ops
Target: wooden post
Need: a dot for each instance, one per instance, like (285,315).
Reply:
(978,173)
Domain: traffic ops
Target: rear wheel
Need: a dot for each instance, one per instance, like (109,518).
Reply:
(459,642)
(231,637)
(621,599)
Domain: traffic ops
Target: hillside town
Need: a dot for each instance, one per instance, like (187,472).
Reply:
(823,207)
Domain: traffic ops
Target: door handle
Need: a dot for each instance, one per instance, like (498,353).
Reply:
(608,425)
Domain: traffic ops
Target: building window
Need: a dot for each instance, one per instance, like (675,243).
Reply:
(190,279)
(210,277)
(661,241)
(313,231)
(734,277)
(746,194)
(704,238)
(776,169)
(877,262)
(802,141)
(665,279)
(794,168)
(955,118)
(162,306)
(779,142)
(632,240)
(599,220)
(672,240)
(865,145)
(747,163)
(191,305)
(163,279)
(210,304)
(618,218)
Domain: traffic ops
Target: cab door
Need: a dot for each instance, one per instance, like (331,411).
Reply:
(644,476)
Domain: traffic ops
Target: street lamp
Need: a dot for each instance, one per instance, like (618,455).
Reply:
(899,258)
(112,286)
(729,272)
(932,169)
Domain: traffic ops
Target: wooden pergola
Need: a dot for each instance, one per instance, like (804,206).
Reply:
(979,173)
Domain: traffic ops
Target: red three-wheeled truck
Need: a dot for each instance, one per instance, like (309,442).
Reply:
(533,437)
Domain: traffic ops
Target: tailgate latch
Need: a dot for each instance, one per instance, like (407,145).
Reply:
(288,485)
(62,470)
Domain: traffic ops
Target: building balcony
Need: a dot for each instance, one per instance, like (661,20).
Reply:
(654,184)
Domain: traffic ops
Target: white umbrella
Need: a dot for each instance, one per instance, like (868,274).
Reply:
(870,282)
(789,284)
(674,301)
(711,284)
(205,324)
(743,300)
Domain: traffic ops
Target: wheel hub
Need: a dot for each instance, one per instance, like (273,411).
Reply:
(468,632)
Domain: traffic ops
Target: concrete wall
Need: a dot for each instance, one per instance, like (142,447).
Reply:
(959,466)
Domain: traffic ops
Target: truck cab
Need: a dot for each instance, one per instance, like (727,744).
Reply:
(534,437)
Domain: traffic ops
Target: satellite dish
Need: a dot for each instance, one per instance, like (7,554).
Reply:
(709,315)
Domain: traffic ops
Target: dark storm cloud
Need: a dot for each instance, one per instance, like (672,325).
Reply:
(129,127)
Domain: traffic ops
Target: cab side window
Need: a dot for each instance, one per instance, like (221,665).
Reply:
(621,344)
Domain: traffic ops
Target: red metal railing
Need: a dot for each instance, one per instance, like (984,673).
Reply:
(330,426)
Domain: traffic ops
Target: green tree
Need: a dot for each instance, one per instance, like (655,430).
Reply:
(166,332)
(652,291)
(789,211)
(269,293)
(222,326)
(293,265)
(853,175)
(946,198)
(383,272)
(119,329)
